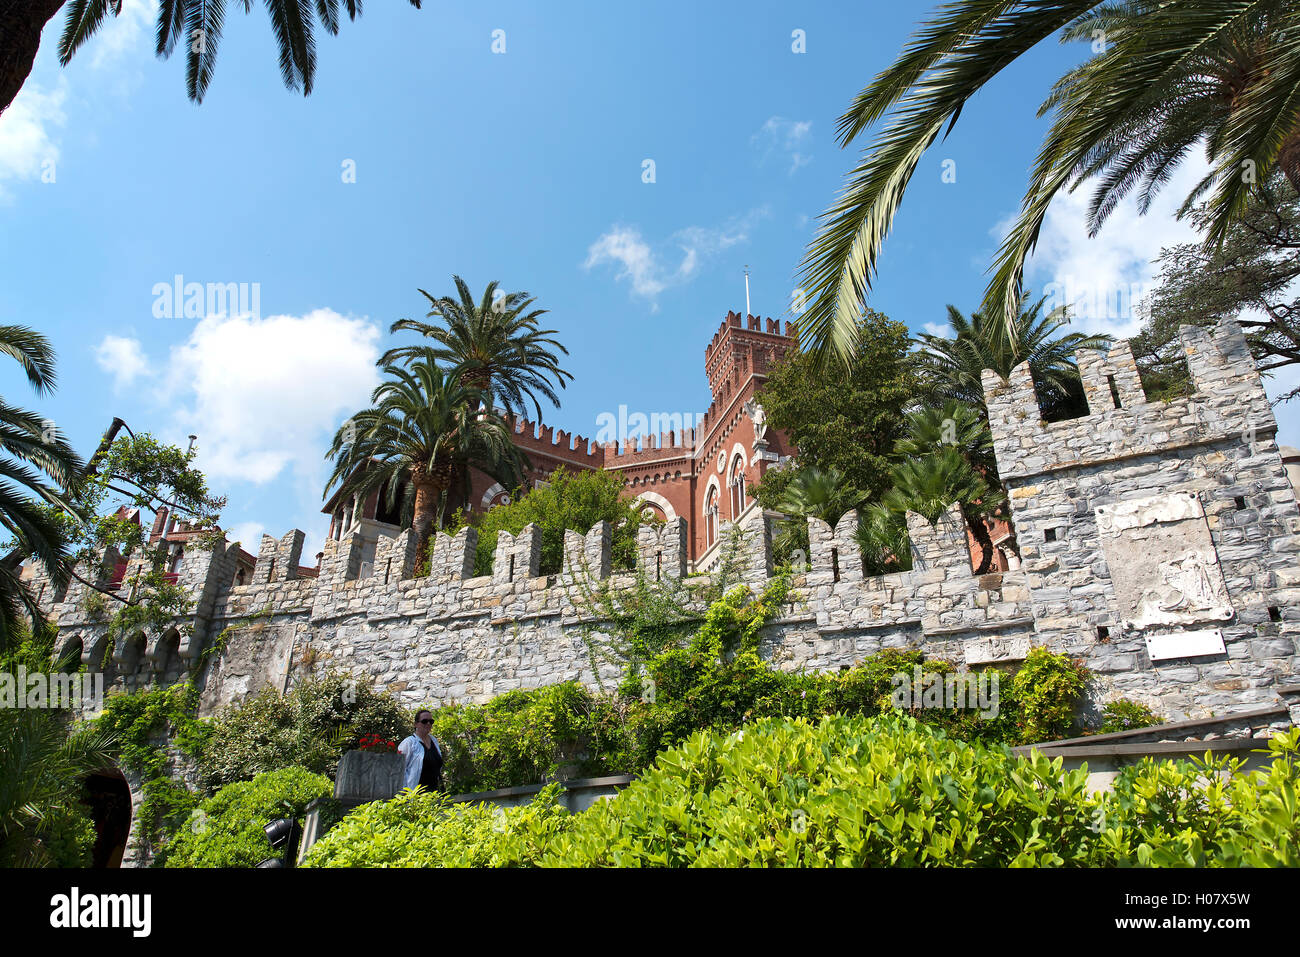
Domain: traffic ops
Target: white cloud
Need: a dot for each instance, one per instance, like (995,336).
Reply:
(265,395)
(122,358)
(120,35)
(790,137)
(27,144)
(1105,278)
(678,260)
(248,534)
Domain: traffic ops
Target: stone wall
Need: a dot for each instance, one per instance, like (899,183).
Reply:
(1159,544)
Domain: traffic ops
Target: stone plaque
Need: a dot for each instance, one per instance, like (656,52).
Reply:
(1185,644)
(1162,561)
(984,651)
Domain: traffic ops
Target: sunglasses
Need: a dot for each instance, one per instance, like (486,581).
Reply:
(425,721)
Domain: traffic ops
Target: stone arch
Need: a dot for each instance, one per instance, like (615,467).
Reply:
(112,805)
(166,655)
(71,654)
(657,500)
(128,656)
(92,653)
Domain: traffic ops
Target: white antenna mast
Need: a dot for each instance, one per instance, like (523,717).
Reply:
(747,312)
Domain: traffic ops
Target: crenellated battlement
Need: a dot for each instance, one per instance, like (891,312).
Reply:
(537,437)
(1228,400)
(1160,545)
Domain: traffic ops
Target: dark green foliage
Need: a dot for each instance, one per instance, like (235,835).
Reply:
(1251,278)
(226,829)
(494,344)
(846,422)
(309,727)
(143,724)
(570,500)
(1125,715)
(952,367)
(292,24)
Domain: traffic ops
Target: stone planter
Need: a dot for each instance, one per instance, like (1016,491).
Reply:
(369,776)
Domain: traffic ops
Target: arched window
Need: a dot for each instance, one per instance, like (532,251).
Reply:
(711,517)
(736,486)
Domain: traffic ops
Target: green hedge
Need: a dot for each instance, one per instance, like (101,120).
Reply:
(226,829)
(850,791)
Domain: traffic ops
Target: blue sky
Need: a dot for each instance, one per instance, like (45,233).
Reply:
(525,166)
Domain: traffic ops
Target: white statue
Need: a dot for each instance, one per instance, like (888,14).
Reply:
(759,417)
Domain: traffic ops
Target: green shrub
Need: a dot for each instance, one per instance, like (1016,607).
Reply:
(570,500)
(1045,692)
(523,737)
(1123,714)
(419,829)
(851,791)
(309,727)
(887,792)
(226,829)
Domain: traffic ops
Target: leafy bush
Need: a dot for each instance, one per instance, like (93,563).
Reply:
(521,737)
(1045,691)
(309,727)
(859,792)
(1125,715)
(571,500)
(226,829)
(419,829)
(718,681)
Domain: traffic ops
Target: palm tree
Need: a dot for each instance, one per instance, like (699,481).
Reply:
(927,478)
(1150,79)
(196,23)
(812,493)
(928,485)
(38,471)
(952,367)
(425,427)
(494,345)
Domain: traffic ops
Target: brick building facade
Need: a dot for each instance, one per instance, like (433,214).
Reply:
(701,471)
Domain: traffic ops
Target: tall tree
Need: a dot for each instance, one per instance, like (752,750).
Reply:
(952,366)
(946,456)
(848,424)
(493,345)
(197,24)
(1251,278)
(1129,114)
(425,428)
